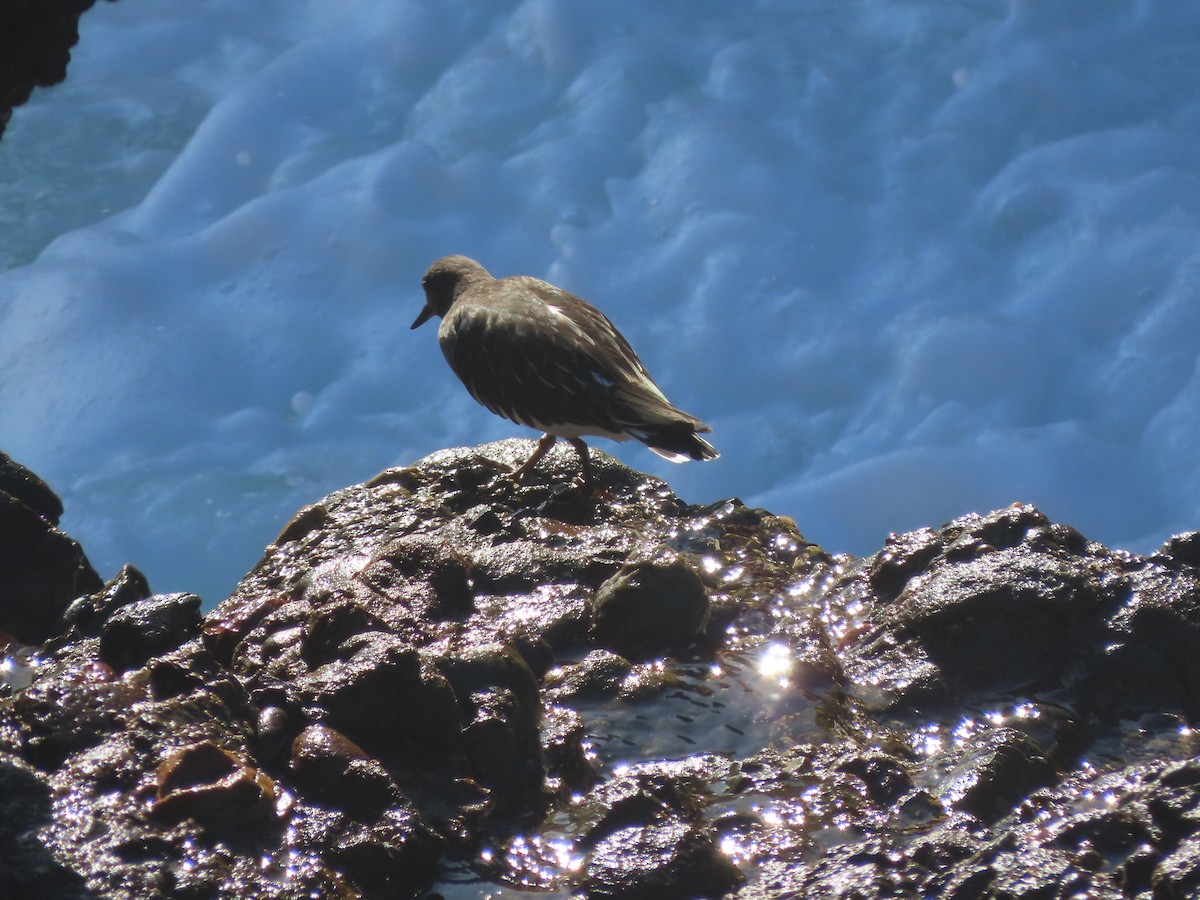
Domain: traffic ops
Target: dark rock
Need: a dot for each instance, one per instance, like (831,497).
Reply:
(86,614)
(643,796)
(535,651)
(21,484)
(35,46)
(336,772)
(500,702)
(993,603)
(902,557)
(567,767)
(998,770)
(992,622)
(44,570)
(143,629)
(27,867)
(884,780)
(274,732)
(169,678)
(600,673)
(1032,874)
(396,855)
(383,694)
(68,710)
(1178,875)
(624,698)
(213,786)
(650,608)
(328,629)
(671,859)
(443,574)
(1151,653)
(1181,550)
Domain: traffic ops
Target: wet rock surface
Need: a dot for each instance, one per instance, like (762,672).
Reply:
(439,684)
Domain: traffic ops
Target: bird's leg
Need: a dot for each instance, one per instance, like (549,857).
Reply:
(542,449)
(585,462)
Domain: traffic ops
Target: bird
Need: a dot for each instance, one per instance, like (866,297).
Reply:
(542,357)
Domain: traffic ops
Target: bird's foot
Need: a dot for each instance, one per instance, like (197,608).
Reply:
(583,490)
(572,502)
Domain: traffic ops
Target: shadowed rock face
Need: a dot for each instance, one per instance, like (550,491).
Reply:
(438,675)
(35,46)
(43,570)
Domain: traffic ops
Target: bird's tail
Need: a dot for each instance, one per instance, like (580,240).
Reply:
(679,448)
(665,429)
(675,438)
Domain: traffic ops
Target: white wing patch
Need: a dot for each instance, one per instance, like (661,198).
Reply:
(570,323)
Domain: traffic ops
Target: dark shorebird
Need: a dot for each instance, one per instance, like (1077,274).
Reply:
(541,357)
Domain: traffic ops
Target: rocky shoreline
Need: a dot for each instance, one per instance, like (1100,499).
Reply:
(437,684)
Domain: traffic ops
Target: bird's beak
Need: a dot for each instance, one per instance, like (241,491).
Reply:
(425,316)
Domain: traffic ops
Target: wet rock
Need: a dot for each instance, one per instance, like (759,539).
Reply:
(989,623)
(642,796)
(362,820)
(992,603)
(621,696)
(998,770)
(395,855)
(86,614)
(143,629)
(334,771)
(443,574)
(274,731)
(902,557)
(671,859)
(67,709)
(1178,875)
(600,673)
(643,834)
(567,766)
(1151,656)
(43,569)
(1062,842)
(650,608)
(1179,551)
(328,629)
(883,778)
(382,693)
(498,697)
(27,867)
(213,786)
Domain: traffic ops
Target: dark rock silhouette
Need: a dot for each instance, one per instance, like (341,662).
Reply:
(439,674)
(35,46)
(43,569)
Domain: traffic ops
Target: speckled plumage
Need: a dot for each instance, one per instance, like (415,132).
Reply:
(541,357)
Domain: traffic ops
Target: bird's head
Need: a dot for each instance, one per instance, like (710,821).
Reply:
(444,281)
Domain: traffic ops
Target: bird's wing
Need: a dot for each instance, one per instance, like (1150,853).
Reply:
(607,345)
(525,364)
(633,399)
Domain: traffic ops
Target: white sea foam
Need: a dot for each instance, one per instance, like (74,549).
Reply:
(908,259)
